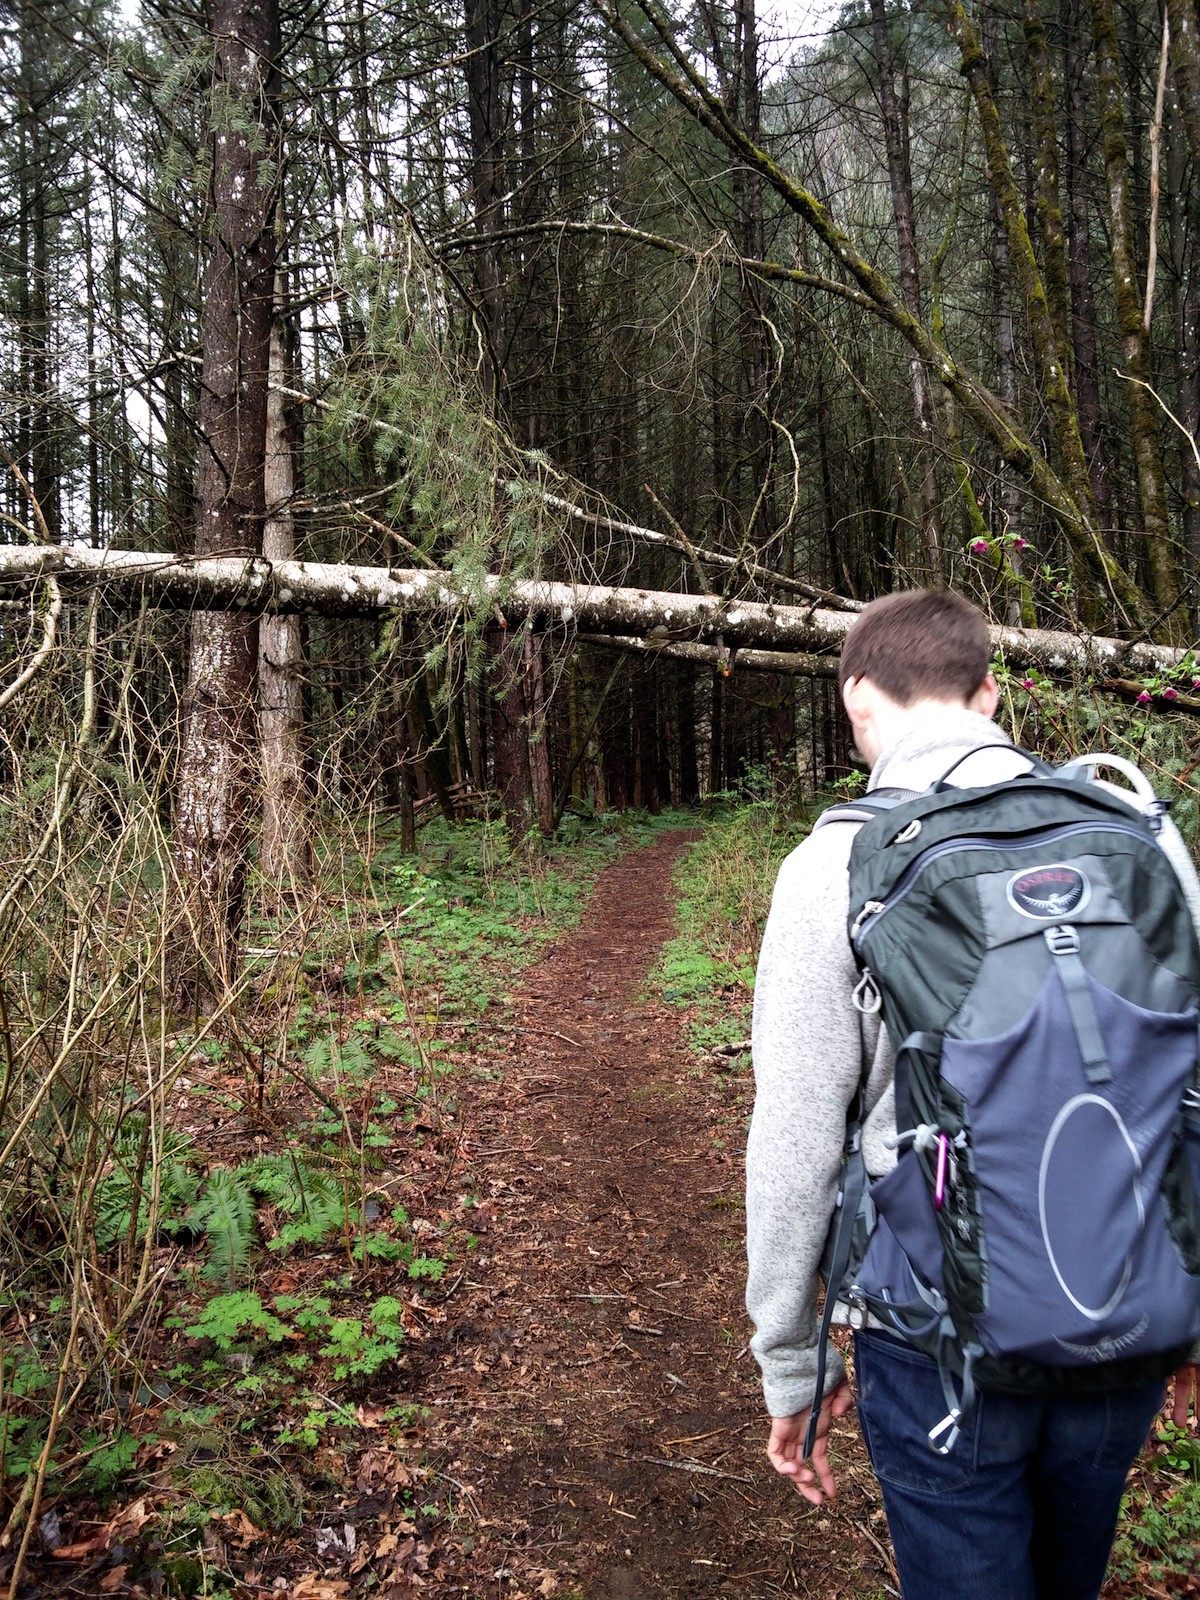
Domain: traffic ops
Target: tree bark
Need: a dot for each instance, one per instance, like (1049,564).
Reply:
(1046,197)
(284,852)
(216,715)
(1085,371)
(1185,54)
(537,730)
(510,741)
(1006,356)
(481,67)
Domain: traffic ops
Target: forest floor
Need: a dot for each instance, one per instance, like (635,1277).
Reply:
(573,1411)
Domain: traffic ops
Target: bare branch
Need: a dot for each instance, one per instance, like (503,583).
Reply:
(49,634)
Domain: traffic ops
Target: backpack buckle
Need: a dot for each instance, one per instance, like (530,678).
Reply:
(1062,941)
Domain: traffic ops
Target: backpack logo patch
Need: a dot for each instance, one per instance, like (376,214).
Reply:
(1049,893)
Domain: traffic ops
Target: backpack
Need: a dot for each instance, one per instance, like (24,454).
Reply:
(1036,964)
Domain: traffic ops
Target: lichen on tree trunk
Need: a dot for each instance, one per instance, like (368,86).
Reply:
(285,850)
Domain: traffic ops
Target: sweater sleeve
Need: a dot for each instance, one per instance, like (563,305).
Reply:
(808,1051)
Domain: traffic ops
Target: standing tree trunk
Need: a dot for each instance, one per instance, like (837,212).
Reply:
(481,66)
(284,854)
(1052,377)
(1005,327)
(1083,316)
(747,186)
(510,744)
(1135,342)
(1046,198)
(1185,55)
(1185,263)
(893,107)
(217,713)
(538,730)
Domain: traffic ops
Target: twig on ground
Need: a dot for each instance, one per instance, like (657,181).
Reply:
(688,1466)
(886,1554)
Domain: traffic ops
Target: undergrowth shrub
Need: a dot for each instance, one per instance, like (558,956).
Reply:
(155,1164)
(724,885)
(1059,721)
(1158,1539)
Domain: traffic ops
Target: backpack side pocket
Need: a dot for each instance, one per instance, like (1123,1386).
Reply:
(900,1279)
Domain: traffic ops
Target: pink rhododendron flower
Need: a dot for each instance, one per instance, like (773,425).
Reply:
(1144,698)
(1170,694)
(1027,683)
(1019,544)
(980,547)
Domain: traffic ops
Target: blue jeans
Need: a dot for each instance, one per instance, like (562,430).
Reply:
(1025,1505)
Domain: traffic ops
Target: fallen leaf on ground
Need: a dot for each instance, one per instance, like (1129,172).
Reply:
(240,1525)
(313,1587)
(381,1468)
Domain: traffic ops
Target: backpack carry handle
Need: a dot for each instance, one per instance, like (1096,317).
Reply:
(1035,762)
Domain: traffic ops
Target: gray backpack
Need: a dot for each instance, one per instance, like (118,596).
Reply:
(1037,967)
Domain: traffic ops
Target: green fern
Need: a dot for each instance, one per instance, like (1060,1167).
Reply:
(225,1215)
(131,1155)
(313,1198)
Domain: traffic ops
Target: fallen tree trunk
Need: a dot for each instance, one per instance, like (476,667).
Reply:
(792,663)
(250,583)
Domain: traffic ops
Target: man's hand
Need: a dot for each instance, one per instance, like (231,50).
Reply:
(1187,1393)
(787,1440)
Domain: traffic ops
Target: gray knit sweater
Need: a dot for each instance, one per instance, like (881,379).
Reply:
(810,1047)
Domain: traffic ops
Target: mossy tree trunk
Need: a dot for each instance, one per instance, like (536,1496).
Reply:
(1046,324)
(1085,373)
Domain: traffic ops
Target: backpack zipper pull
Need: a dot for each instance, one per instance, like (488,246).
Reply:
(866,998)
(872,908)
(939,1180)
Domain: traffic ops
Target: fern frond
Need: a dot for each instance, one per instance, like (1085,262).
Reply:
(225,1213)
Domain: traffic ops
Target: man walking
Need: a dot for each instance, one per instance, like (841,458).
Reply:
(1025,1506)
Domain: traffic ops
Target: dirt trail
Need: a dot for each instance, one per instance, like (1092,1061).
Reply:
(597,1411)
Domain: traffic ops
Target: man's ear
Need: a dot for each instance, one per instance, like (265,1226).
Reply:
(852,699)
(986,698)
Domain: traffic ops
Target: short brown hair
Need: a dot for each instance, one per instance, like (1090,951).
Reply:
(919,644)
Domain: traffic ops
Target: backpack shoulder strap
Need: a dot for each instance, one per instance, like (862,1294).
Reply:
(866,807)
